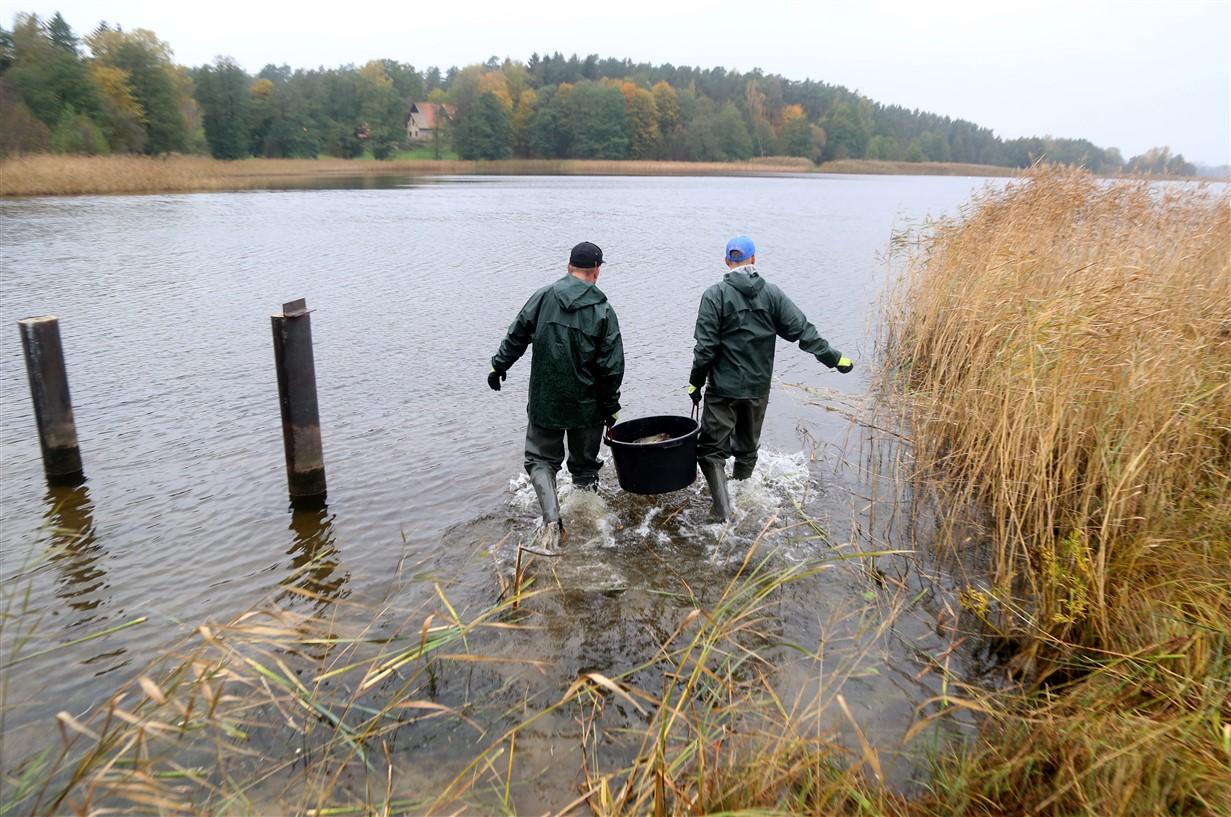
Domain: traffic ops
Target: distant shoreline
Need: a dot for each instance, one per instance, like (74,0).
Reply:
(59,175)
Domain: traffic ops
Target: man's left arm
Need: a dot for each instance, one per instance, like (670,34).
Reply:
(610,368)
(793,326)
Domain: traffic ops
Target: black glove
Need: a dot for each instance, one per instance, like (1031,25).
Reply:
(612,420)
(694,393)
(844,365)
(494,377)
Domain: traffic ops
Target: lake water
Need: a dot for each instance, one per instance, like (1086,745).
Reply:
(164,304)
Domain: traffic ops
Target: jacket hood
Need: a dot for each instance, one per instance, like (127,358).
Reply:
(745,279)
(574,293)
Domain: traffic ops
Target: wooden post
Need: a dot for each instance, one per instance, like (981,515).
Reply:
(301,424)
(53,409)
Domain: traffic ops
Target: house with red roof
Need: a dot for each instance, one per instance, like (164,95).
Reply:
(424,118)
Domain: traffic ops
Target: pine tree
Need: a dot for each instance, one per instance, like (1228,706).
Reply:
(222,91)
(61,35)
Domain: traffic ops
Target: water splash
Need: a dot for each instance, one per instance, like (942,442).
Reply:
(522,497)
(614,519)
(778,479)
(643,530)
(587,518)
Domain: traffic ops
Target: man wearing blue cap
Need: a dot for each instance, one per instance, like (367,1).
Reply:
(575,373)
(738,324)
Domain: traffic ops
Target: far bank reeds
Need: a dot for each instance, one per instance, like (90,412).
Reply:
(58,175)
(1065,353)
(61,175)
(878,167)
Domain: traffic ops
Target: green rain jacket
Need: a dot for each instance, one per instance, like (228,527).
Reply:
(578,358)
(738,324)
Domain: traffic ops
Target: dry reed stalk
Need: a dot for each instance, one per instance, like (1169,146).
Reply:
(1064,355)
(183,736)
(719,739)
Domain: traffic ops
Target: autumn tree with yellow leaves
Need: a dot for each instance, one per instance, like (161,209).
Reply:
(118,90)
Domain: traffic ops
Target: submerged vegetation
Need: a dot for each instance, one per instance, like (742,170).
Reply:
(278,711)
(1065,349)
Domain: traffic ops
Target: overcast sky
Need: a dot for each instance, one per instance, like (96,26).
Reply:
(1131,73)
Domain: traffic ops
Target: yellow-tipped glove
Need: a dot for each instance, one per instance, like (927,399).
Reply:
(695,394)
(844,365)
(494,377)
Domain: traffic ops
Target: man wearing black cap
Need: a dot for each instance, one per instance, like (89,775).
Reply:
(738,324)
(575,373)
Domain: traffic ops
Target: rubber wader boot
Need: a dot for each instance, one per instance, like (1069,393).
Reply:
(544,483)
(742,470)
(716,476)
(550,537)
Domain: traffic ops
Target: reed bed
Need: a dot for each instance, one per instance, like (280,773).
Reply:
(59,175)
(278,711)
(880,167)
(1063,350)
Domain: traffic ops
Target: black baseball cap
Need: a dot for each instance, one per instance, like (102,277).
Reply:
(585,256)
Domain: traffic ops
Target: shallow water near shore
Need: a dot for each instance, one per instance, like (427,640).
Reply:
(163,303)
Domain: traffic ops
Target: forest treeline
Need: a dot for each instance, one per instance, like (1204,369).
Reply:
(118,91)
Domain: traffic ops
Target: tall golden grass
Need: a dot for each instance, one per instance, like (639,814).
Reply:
(879,167)
(1064,349)
(57,175)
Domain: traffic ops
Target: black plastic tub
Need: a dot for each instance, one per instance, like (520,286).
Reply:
(655,468)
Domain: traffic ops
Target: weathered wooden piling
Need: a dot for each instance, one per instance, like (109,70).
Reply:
(301,424)
(53,409)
